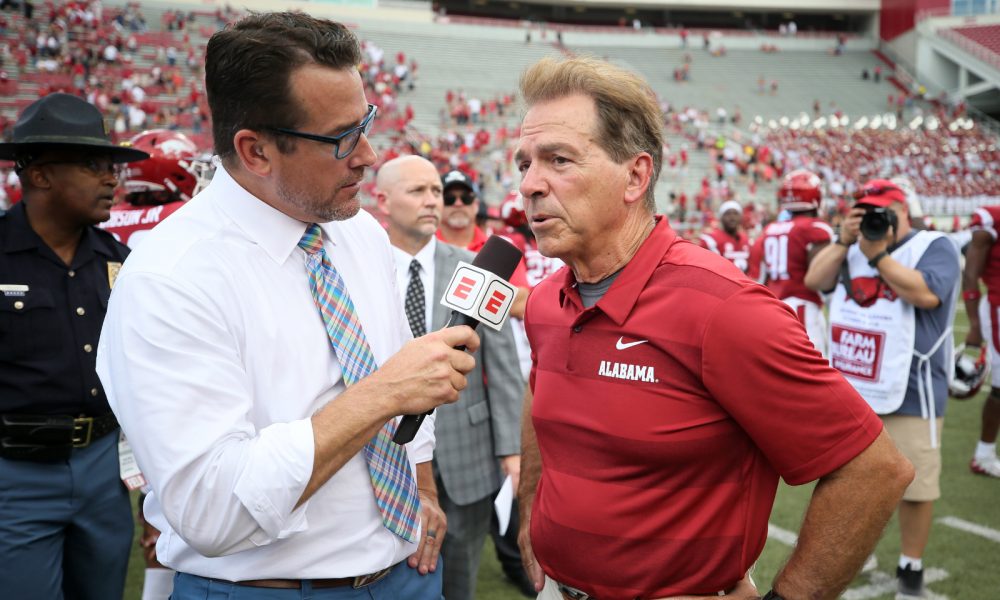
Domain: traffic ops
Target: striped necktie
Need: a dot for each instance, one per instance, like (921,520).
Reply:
(392,480)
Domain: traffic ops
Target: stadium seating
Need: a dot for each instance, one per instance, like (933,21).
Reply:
(987,36)
(715,115)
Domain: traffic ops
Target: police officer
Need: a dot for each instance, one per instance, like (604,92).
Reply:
(65,517)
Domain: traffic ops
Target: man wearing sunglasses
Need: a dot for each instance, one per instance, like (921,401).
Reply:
(257,352)
(458,218)
(894,292)
(459,228)
(65,516)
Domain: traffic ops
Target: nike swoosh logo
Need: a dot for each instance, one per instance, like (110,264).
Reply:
(621,345)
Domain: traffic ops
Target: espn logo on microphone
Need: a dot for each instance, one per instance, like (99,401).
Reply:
(479,294)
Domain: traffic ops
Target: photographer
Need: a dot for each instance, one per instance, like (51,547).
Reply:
(890,335)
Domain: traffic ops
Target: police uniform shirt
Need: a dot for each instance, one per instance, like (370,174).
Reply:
(50,319)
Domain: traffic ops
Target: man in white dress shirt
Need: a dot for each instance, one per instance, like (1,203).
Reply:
(218,363)
(478,437)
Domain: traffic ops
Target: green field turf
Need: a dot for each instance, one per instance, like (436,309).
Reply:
(965,566)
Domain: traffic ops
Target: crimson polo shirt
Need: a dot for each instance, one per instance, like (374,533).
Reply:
(664,417)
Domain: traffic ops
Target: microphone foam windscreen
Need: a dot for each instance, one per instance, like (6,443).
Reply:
(498,256)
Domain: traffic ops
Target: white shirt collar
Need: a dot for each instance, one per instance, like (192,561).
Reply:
(274,231)
(425,256)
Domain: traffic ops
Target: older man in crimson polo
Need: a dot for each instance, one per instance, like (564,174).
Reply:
(668,391)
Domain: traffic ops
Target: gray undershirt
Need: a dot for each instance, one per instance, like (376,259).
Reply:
(591,293)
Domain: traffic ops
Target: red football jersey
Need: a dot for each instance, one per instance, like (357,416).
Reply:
(782,251)
(735,249)
(128,223)
(539,267)
(985,219)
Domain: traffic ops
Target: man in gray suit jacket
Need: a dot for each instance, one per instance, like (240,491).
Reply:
(478,437)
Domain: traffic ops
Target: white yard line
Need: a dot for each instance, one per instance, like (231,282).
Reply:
(784,536)
(982,531)
(883,584)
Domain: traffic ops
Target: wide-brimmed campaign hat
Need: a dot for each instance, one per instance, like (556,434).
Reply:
(60,121)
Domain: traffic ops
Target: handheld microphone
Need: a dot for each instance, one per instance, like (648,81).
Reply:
(478,293)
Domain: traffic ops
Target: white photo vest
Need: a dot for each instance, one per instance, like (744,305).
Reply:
(874,346)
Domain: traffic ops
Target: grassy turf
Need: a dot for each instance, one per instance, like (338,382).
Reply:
(971,562)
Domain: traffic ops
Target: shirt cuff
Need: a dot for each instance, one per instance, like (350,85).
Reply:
(279,467)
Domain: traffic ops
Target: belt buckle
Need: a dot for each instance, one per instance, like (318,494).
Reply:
(574,594)
(80,425)
(364,580)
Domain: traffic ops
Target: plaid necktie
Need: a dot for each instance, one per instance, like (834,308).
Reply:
(395,489)
(416,309)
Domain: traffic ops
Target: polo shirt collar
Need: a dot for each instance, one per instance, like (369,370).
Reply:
(479,238)
(621,298)
(274,231)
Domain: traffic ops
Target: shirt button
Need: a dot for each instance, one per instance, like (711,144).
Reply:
(80,311)
(577,329)
(88,348)
(18,305)
(93,391)
(71,273)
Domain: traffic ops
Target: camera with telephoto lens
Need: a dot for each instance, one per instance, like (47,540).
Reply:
(876,222)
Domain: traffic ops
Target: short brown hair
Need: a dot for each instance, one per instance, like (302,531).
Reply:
(248,68)
(629,118)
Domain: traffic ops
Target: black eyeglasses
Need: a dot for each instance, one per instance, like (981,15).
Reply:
(344,143)
(875,191)
(467,198)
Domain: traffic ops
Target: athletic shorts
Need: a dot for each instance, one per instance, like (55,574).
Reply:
(912,436)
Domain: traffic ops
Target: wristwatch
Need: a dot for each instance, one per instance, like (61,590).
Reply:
(772,595)
(873,263)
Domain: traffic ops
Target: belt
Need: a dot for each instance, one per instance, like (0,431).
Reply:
(50,437)
(571,593)
(295,584)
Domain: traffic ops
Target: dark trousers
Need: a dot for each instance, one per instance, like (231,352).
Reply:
(468,526)
(65,527)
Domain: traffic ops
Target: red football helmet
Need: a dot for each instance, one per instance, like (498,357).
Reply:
(512,210)
(172,172)
(800,191)
(970,372)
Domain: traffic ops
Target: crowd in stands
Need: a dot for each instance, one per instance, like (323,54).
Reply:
(144,79)
(140,79)
(943,161)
